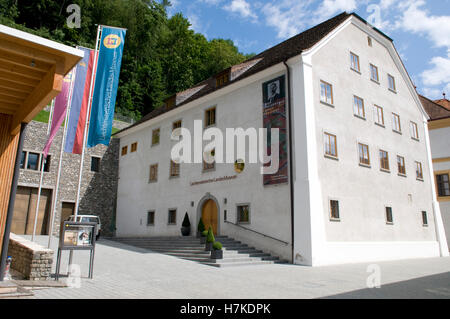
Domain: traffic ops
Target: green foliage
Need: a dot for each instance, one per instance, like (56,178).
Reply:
(217,245)
(204,233)
(162,55)
(186,222)
(201,226)
(210,236)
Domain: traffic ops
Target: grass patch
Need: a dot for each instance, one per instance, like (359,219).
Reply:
(43,116)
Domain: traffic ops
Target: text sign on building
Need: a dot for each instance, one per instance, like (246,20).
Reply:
(274,116)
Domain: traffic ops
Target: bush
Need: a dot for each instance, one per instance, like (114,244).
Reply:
(201,226)
(217,245)
(186,222)
(210,237)
(204,233)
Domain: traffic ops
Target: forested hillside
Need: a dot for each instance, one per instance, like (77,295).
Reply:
(162,55)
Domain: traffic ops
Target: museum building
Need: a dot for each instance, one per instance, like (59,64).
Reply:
(355,180)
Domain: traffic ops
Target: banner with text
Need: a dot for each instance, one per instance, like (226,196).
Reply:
(105,88)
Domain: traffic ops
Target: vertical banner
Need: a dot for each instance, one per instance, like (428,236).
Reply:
(80,100)
(274,116)
(59,110)
(105,88)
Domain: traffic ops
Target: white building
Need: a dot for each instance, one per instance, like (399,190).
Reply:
(362,182)
(439,127)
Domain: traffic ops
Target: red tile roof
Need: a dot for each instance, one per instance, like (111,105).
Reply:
(435,111)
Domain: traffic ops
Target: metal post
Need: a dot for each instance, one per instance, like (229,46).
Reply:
(12,197)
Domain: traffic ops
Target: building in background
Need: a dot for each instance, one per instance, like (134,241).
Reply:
(439,126)
(98,186)
(358,185)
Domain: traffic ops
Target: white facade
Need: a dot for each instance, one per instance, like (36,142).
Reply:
(440,151)
(361,233)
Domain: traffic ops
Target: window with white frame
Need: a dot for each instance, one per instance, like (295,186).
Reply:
(379,115)
(326,92)
(358,107)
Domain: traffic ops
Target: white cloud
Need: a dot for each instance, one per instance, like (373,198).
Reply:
(242,8)
(417,20)
(331,7)
(439,74)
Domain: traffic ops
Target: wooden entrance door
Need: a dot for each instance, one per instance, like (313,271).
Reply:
(67,210)
(210,215)
(25,209)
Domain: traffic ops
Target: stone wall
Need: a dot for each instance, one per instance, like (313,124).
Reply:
(98,189)
(30,259)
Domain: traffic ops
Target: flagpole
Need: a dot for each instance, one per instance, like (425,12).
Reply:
(36,211)
(55,197)
(80,173)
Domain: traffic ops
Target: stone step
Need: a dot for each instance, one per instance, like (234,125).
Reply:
(237,264)
(224,260)
(7,287)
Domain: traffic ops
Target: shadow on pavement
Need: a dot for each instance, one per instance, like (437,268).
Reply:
(430,287)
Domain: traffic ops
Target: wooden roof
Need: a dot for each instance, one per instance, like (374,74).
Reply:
(32,70)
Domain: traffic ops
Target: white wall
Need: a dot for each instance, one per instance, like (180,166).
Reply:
(269,206)
(363,192)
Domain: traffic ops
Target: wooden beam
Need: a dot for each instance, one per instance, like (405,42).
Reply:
(10,99)
(4,106)
(4,75)
(24,61)
(16,86)
(29,52)
(14,94)
(20,70)
(49,87)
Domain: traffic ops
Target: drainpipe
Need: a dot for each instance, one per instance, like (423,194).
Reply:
(12,197)
(291,173)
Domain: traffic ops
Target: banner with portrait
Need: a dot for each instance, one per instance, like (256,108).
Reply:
(274,116)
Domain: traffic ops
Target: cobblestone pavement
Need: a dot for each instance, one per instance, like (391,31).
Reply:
(122,271)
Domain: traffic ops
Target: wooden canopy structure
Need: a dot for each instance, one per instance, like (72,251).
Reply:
(32,70)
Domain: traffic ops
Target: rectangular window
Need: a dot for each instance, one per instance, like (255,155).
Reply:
(389,216)
(396,126)
(46,163)
(95,164)
(150,218)
(334,209)
(33,161)
(124,150)
(369,41)
(155,136)
(172,218)
(23,157)
(330,144)
(133,147)
(401,165)
(424,218)
(243,214)
(419,172)
(354,60)
(391,80)
(176,124)
(443,185)
(414,131)
(153,173)
(326,92)
(384,160)
(174,169)
(358,106)
(364,157)
(210,117)
(379,115)
(374,73)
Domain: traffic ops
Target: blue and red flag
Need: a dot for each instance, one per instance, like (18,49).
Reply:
(79,106)
(106,84)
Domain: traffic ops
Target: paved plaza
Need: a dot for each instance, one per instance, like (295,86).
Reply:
(123,271)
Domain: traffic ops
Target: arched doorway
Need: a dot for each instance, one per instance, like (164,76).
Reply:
(210,215)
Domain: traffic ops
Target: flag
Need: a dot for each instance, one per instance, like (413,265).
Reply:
(105,88)
(79,105)
(59,110)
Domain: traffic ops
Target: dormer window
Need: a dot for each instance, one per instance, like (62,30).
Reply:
(222,79)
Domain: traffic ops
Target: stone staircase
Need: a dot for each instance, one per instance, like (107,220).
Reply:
(235,253)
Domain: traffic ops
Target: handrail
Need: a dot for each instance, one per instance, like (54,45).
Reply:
(257,232)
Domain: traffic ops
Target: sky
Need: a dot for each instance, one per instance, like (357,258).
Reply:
(420,28)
